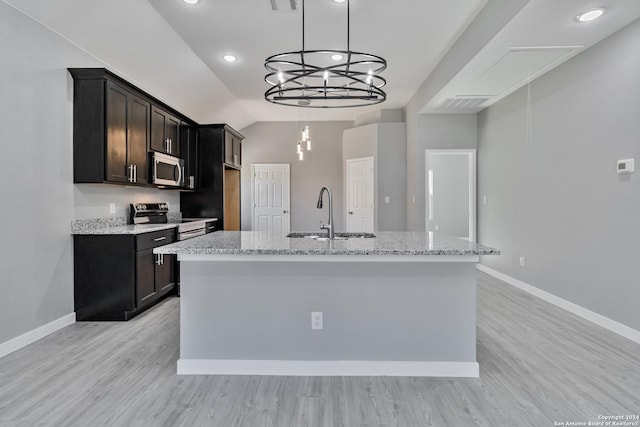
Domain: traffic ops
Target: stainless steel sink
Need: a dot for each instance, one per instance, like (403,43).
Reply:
(338,236)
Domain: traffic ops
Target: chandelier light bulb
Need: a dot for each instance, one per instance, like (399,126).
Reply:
(308,145)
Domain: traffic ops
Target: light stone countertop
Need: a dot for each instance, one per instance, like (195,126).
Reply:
(385,243)
(118,225)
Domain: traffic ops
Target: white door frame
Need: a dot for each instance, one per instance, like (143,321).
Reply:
(348,190)
(253,189)
(471,153)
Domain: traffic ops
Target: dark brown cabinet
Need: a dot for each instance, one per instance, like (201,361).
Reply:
(232,148)
(110,131)
(118,276)
(189,145)
(115,125)
(154,275)
(165,132)
(218,190)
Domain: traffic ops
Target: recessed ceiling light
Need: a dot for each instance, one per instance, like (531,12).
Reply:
(230,58)
(339,1)
(590,15)
(337,57)
(191,1)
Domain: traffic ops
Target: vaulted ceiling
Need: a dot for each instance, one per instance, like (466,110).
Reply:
(174,50)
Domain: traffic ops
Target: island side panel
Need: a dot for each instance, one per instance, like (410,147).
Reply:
(372,311)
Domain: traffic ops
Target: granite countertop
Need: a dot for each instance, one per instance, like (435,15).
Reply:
(385,243)
(117,225)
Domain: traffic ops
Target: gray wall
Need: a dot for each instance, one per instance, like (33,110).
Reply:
(553,195)
(386,143)
(432,131)
(40,200)
(275,142)
(489,21)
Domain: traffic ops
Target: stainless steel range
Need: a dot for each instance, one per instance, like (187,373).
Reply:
(156,213)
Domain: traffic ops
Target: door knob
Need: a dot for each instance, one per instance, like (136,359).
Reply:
(350,212)
(285,212)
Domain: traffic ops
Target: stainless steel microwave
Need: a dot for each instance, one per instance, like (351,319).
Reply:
(167,170)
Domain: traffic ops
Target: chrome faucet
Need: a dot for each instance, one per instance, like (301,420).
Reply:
(329,226)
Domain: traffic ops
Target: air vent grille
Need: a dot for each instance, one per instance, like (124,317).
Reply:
(283,5)
(462,102)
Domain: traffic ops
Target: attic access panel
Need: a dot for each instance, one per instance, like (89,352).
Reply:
(516,68)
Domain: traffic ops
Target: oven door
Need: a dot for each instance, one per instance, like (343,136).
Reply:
(167,170)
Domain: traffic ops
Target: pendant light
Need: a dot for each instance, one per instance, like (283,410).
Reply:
(325,78)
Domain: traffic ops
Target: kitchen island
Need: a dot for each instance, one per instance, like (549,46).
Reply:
(402,303)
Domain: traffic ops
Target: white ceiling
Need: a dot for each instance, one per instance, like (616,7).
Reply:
(174,50)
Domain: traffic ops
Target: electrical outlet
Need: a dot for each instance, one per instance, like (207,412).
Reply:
(523,262)
(484,200)
(387,200)
(112,208)
(316,320)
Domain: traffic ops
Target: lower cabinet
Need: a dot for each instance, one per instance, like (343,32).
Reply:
(118,276)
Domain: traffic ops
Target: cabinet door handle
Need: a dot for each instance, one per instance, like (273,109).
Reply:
(158,259)
(135,173)
(159,239)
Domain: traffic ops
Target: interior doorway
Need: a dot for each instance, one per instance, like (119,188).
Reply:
(360,195)
(270,198)
(451,192)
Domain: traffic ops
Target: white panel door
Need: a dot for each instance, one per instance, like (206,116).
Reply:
(451,192)
(360,191)
(271,199)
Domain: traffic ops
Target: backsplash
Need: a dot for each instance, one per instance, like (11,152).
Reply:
(93,201)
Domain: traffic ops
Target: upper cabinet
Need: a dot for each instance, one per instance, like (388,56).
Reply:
(165,132)
(110,132)
(232,148)
(115,125)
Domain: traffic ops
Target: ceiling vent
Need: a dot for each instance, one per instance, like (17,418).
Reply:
(463,102)
(512,70)
(283,5)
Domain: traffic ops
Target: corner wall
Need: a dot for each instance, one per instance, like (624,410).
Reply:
(553,195)
(386,143)
(275,142)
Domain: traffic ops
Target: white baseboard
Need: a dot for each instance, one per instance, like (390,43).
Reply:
(34,335)
(589,315)
(327,368)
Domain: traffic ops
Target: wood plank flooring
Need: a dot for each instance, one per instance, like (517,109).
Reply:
(538,365)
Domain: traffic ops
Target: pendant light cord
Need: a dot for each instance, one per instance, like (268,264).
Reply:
(348,25)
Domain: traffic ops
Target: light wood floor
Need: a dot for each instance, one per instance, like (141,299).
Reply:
(538,364)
